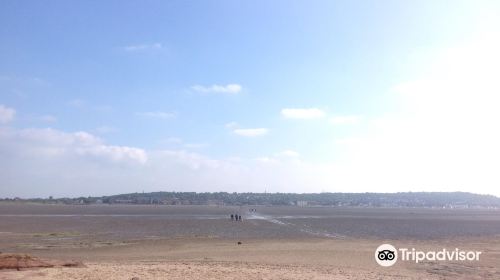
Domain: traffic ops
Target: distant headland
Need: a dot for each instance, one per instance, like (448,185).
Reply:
(401,199)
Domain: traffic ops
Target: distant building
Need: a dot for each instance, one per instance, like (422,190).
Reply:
(215,203)
(301,203)
(126,201)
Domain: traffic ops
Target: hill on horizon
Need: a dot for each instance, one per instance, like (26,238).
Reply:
(400,199)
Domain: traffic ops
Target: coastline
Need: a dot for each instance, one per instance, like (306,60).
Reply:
(304,258)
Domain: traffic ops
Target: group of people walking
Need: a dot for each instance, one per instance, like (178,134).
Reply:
(235,217)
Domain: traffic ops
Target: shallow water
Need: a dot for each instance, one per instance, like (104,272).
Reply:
(124,222)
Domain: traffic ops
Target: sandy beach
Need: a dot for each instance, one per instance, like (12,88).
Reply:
(276,243)
(258,259)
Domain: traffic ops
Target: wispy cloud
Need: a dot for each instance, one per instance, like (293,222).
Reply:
(246,132)
(157,115)
(251,132)
(50,143)
(195,145)
(6,114)
(227,89)
(340,120)
(143,47)
(289,153)
(231,125)
(179,143)
(302,113)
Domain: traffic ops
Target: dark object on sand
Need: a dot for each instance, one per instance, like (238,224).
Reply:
(232,217)
(24,261)
(239,218)
(239,243)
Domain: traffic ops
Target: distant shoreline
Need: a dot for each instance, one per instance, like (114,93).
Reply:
(447,200)
(28,202)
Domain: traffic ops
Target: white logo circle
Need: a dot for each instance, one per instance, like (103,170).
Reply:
(386,255)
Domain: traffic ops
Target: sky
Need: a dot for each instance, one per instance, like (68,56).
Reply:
(107,97)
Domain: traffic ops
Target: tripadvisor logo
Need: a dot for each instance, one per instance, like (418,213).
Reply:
(387,255)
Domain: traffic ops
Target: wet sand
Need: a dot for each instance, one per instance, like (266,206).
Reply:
(189,242)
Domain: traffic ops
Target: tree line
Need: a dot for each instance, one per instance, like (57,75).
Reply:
(402,199)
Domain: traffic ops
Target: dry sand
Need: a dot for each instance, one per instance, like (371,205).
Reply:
(261,259)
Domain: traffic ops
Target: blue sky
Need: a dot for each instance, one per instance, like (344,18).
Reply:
(291,96)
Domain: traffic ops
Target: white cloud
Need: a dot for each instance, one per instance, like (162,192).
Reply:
(302,113)
(229,88)
(43,162)
(143,47)
(157,115)
(267,160)
(289,153)
(251,132)
(231,125)
(6,114)
(340,120)
(246,132)
(54,144)
(115,153)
